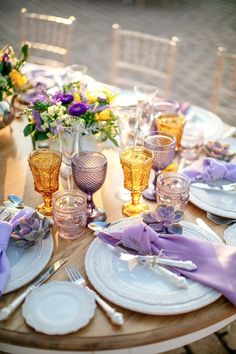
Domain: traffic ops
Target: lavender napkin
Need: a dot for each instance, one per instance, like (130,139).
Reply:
(5,232)
(212,170)
(216,262)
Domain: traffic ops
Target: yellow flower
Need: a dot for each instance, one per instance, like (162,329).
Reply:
(110,96)
(77,97)
(17,78)
(104,115)
(92,98)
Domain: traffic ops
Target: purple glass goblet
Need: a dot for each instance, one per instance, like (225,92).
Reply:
(89,169)
(163,146)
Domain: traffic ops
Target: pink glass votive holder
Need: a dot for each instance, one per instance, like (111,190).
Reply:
(69,213)
(173,189)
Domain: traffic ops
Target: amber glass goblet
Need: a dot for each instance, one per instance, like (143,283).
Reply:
(45,166)
(136,162)
(173,123)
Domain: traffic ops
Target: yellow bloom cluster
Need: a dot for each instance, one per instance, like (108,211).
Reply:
(18,79)
(104,115)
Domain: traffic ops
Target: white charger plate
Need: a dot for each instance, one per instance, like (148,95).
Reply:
(140,289)
(26,264)
(59,308)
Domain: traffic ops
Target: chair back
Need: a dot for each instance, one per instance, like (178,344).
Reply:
(223,100)
(149,58)
(49,37)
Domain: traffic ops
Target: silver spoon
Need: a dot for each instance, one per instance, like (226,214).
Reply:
(16,201)
(98,225)
(220,220)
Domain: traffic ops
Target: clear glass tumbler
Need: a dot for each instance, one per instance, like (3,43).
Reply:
(69,213)
(173,189)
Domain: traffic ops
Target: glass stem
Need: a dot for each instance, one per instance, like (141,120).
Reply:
(90,204)
(47,199)
(135,197)
(154,182)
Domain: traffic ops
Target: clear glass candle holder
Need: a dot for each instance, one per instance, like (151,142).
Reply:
(173,189)
(69,213)
(191,143)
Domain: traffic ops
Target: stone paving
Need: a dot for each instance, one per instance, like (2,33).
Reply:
(201,25)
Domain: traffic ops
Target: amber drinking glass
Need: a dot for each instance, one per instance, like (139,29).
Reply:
(45,166)
(136,163)
(163,146)
(173,123)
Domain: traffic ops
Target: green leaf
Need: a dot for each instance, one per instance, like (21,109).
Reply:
(41,135)
(29,128)
(25,51)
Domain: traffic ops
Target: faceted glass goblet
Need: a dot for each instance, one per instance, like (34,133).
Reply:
(163,146)
(89,169)
(45,166)
(136,162)
(173,123)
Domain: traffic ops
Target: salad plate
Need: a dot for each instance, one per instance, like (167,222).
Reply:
(139,289)
(59,308)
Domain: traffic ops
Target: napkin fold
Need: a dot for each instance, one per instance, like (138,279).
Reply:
(212,170)
(216,262)
(6,229)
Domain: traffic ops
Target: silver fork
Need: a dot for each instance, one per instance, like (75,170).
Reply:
(76,277)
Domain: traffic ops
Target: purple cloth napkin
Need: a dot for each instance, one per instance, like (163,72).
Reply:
(212,170)
(216,262)
(5,232)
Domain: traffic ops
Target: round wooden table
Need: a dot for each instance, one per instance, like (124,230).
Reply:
(140,333)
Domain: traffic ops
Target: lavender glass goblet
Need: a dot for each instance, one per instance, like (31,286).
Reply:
(163,146)
(89,169)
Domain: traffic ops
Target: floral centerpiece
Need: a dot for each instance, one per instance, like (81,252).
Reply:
(93,108)
(11,78)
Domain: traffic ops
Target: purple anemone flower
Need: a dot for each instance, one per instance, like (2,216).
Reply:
(64,98)
(37,119)
(77,109)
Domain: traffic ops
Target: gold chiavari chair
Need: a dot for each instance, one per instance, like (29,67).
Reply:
(223,100)
(49,37)
(145,57)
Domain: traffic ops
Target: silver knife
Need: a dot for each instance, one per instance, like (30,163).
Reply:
(224,188)
(6,311)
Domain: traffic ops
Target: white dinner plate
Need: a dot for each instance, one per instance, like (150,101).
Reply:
(140,289)
(59,308)
(26,264)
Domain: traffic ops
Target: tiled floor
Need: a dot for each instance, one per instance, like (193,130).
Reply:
(202,26)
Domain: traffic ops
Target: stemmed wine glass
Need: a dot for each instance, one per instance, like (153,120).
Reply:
(136,162)
(89,169)
(69,145)
(128,126)
(146,95)
(163,146)
(45,167)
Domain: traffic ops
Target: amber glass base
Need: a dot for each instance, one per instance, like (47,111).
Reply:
(130,209)
(47,211)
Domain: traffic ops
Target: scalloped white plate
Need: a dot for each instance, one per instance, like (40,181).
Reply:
(140,289)
(59,308)
(26,264)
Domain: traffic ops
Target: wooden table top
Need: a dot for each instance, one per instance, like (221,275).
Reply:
(100,334)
